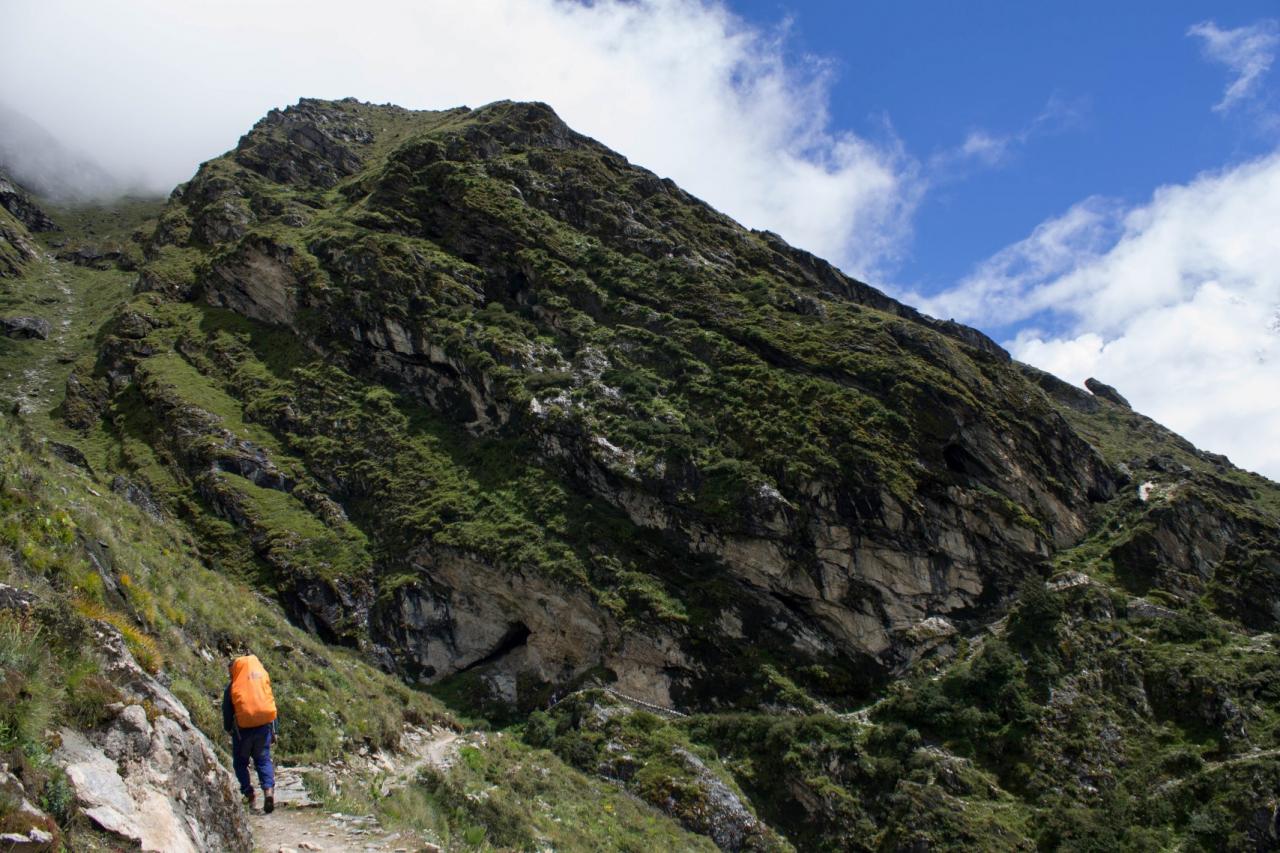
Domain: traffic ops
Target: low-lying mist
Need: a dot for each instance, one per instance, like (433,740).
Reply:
(34,158)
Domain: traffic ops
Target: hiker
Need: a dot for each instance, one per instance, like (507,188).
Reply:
(249,715)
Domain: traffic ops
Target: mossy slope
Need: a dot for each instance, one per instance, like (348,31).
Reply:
(472,394)
(487,339)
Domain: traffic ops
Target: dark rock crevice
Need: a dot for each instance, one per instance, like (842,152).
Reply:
(516,637)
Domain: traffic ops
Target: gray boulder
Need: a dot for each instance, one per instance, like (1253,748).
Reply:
(25,327)
(724,817)
(139,496)
(70,454)
(1141,608)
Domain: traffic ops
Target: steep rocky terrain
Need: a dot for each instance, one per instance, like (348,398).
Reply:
(537,431)
(617,430)
(18,217)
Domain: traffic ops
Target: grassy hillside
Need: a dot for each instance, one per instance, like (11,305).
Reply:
(374,344)
(87,554)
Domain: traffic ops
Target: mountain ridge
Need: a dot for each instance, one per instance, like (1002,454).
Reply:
(505,226)
(485,405)
(515,419)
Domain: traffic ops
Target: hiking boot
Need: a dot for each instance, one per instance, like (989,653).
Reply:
(249,798)
(268,800)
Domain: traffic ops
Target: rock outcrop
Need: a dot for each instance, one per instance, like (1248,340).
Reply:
(149,775)
(15,200)
(145,773)
(25,328)
(1106,392)
(17,247)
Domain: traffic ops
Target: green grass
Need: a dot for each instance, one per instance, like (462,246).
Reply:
(116,219)
(74,300)
(89,297)
(295,539)
(649,757)
(504,795)
(181,380)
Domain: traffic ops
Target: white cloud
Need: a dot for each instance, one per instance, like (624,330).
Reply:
(1018,283)
(681,86)
(1247,51)
(985,148)
(1175,302)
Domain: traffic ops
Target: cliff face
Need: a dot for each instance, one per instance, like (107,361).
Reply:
(486,399)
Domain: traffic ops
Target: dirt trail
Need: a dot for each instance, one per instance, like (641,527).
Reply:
(1210,766)
(301,824)
(291,828)
(37,389)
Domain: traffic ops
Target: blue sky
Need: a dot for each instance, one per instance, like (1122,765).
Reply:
(1123,93)
(1096,185)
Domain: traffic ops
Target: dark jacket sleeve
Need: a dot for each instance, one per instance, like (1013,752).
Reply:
(228,713)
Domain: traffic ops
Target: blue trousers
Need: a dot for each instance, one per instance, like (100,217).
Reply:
(253,743)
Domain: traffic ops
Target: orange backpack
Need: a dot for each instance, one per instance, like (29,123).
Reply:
(251,693)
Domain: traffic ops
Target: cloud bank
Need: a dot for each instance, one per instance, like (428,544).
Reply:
(1176,302)
(151,88)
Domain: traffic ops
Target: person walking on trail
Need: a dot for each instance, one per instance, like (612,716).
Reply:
(249,715)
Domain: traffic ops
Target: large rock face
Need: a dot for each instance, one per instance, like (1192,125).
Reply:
(19,217)
(15,200)
(490,401)
(143,771)
(149,775)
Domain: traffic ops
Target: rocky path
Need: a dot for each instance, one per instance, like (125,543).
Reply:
(299,823)
(38,385)
(1211,766)
(638,704)
(292,830)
